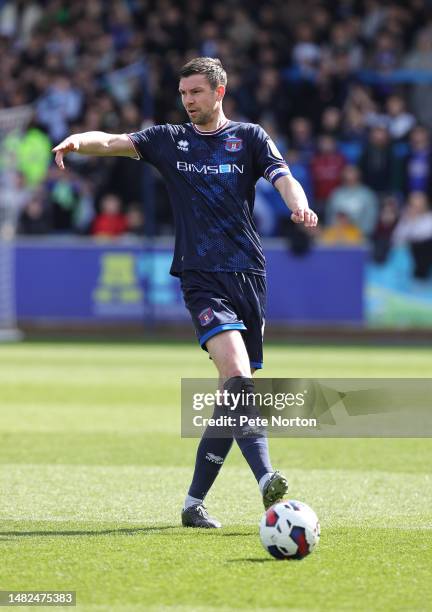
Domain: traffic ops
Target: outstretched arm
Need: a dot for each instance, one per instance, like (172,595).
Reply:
(94,143)
(296,200)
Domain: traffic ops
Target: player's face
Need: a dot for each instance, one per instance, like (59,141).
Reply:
(199,99)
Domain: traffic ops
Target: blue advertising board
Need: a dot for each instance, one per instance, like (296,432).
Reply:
(87,282)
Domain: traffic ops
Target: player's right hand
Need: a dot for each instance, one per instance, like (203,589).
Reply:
(68,145)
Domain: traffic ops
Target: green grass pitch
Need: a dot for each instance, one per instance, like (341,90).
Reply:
(93,473)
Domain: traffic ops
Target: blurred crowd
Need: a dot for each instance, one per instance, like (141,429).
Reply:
(342,86)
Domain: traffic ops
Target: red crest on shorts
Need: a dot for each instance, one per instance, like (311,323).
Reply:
(206,316)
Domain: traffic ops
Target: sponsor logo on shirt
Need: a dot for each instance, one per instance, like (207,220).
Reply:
(205,169)
(233,144)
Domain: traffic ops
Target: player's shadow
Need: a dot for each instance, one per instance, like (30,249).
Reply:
(123,531)
(239,533)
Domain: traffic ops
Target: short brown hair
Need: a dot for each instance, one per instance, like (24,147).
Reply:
(211,67)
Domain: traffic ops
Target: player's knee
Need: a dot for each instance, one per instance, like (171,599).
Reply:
(235,371)
(229,354)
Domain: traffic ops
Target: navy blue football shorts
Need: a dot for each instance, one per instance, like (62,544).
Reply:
(219,301)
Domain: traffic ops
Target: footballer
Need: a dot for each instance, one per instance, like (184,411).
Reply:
(210,166)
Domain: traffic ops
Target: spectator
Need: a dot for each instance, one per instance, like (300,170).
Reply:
(306,53)
(301,138)
(242,29)
(331,121)
(342,44)
(14,192)
(64,198)
(341,231)
(376,161)
(269,100)
(60,104)
(135,220)
(385,55)
(354,199)
(399,121)
(34,154)
(415,230)
(110,222)
(85,213)
(326,170)
(361,100)
(321,19)
(417,170)
(34,219)
(352,139)
(421,93)
(387,220)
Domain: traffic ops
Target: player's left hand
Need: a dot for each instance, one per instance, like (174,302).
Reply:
(305,216)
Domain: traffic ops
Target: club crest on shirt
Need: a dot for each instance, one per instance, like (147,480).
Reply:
(206,316)
(233,144)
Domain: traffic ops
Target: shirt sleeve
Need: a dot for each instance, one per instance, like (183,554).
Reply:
(148,143)
(268,161)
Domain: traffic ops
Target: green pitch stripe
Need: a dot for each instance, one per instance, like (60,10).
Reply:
(34,417)
(130,493)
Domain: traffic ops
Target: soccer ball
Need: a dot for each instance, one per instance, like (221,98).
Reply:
(289,530)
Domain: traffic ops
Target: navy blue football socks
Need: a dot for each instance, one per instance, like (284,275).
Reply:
(212,451)
(256,453)
(210,456)
(252,441)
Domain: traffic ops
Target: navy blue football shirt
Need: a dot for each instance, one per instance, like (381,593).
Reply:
(210,177)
